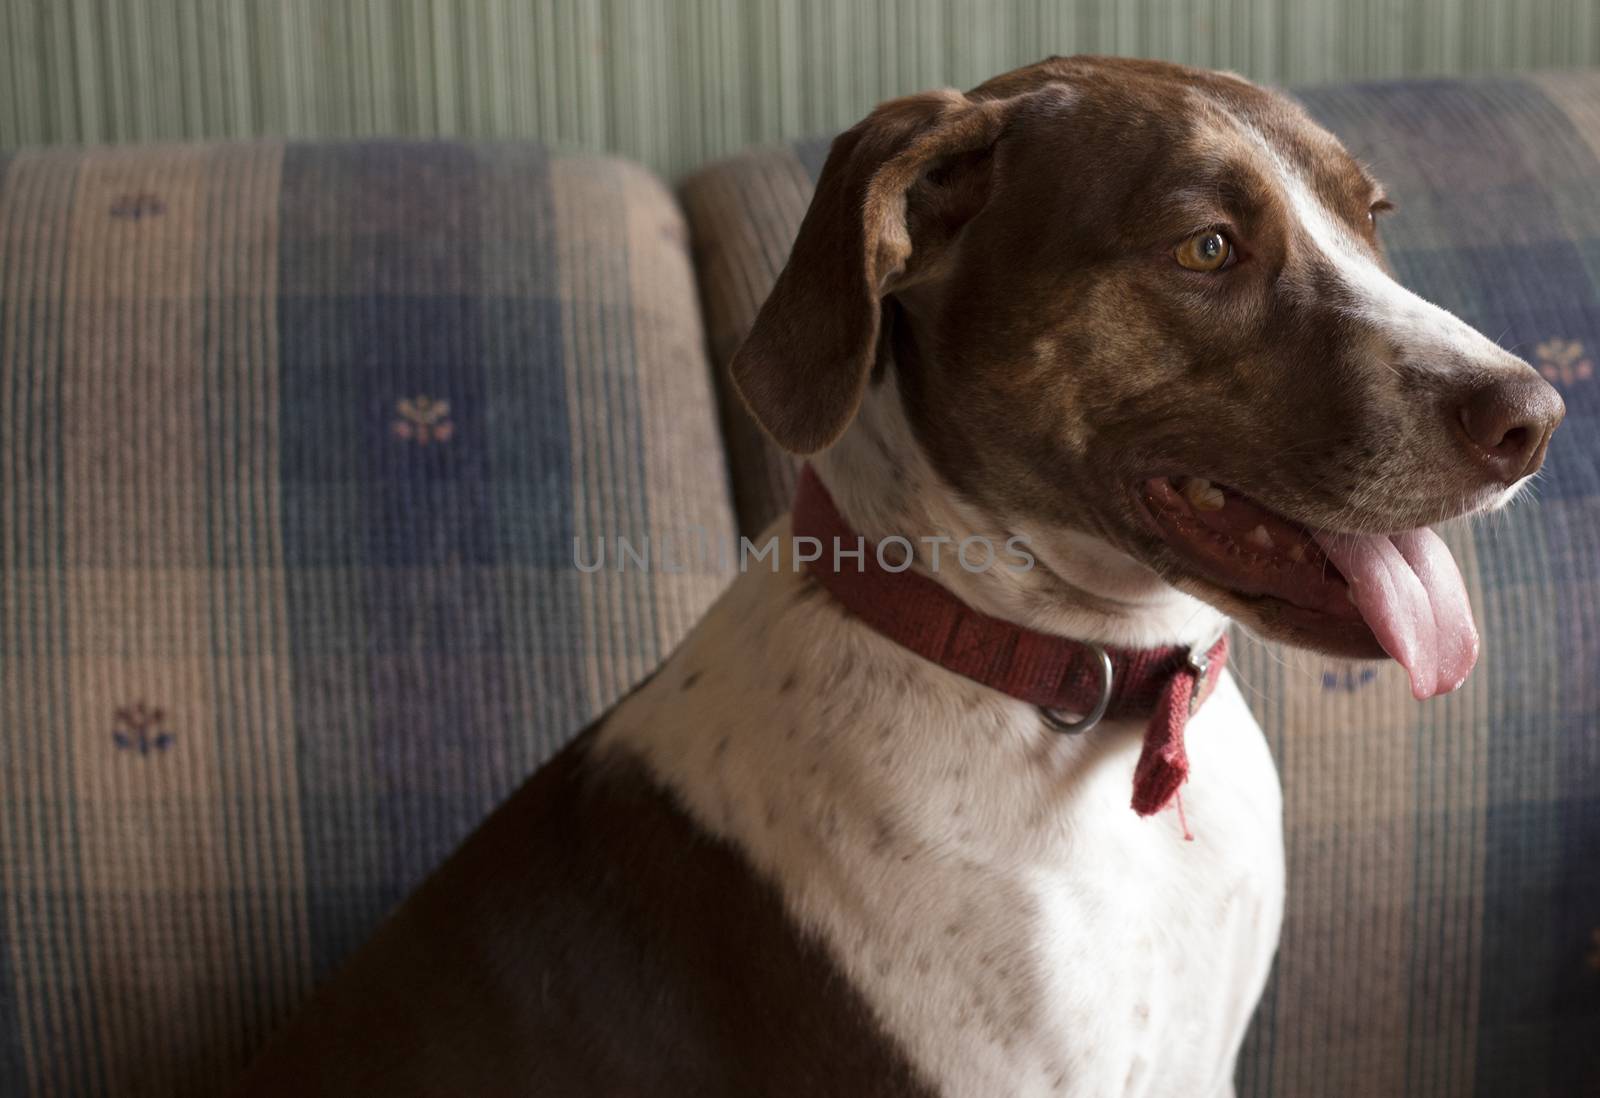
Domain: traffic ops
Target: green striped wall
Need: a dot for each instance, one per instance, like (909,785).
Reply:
(673,82)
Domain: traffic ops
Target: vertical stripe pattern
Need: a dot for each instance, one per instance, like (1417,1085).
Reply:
(674,84)
(57,1019)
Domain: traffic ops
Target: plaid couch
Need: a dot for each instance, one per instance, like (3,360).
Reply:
(294,445)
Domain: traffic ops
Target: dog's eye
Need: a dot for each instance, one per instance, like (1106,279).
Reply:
(1207,251)
(1383,205)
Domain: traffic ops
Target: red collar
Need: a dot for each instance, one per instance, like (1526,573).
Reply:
(1161,685)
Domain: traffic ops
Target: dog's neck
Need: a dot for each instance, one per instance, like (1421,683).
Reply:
(1078,586)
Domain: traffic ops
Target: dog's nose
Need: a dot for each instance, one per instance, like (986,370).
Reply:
(1509,423)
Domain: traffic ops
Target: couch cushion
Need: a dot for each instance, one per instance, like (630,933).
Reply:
(1443,930)
(294,446)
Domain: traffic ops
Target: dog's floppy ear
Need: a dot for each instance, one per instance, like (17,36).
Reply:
(804,367)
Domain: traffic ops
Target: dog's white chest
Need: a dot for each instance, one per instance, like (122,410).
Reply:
(1107,955)
(982,881)
(1157,948)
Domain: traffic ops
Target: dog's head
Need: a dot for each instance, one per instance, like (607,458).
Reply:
(1151,304)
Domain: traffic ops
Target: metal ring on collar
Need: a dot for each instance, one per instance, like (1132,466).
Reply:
(1200,663)
(1054,717)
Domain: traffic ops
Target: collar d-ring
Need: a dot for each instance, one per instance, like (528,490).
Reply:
(1056,720)
(1199,662)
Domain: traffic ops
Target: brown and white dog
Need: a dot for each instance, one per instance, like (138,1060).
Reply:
(1139,315)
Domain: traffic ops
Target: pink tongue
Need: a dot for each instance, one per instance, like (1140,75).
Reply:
(1409,590)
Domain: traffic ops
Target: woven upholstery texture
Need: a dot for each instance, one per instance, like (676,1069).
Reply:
(1443,928)
(295,442)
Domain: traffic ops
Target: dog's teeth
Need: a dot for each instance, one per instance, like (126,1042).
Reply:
(1350,594)
(1259,537)
(1202,495)
(1297,552)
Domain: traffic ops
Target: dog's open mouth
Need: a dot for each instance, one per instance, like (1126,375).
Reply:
(1404,588)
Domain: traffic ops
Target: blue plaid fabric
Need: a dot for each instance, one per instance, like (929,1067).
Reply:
(1443,929)
(295,442)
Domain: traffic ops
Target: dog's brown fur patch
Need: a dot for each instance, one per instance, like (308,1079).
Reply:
(589,938)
